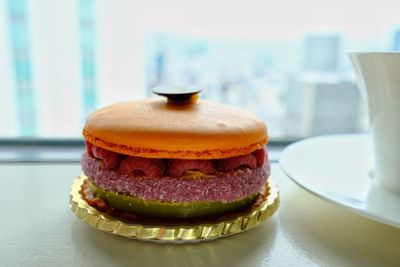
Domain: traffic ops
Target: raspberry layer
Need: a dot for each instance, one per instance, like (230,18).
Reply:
(224,187)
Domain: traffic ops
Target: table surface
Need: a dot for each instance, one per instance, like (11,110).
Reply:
(38,229)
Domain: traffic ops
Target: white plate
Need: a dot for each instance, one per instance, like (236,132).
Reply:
(338,168)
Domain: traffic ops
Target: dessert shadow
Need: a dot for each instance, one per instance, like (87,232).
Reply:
(119,251)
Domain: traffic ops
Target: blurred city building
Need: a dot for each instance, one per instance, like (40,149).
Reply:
(321,98)
(396,40)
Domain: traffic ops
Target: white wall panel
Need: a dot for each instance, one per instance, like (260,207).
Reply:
(119,57)
(56,66)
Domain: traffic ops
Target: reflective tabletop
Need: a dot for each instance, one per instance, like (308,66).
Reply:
(38,229)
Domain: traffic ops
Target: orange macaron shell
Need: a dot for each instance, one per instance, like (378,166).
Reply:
(155,128)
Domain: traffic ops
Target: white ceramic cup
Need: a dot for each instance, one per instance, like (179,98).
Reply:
(378,75)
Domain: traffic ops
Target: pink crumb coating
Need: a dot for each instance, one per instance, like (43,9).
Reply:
(225,187)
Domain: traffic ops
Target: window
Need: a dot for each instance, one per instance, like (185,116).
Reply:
(283,60)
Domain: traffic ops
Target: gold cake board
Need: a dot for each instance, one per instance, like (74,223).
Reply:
(167,233)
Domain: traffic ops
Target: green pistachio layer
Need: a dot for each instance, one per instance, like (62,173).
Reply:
(155,208)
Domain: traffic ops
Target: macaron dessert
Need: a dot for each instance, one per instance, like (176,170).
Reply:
(175,157)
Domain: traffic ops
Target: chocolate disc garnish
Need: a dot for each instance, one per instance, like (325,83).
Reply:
(178,94)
